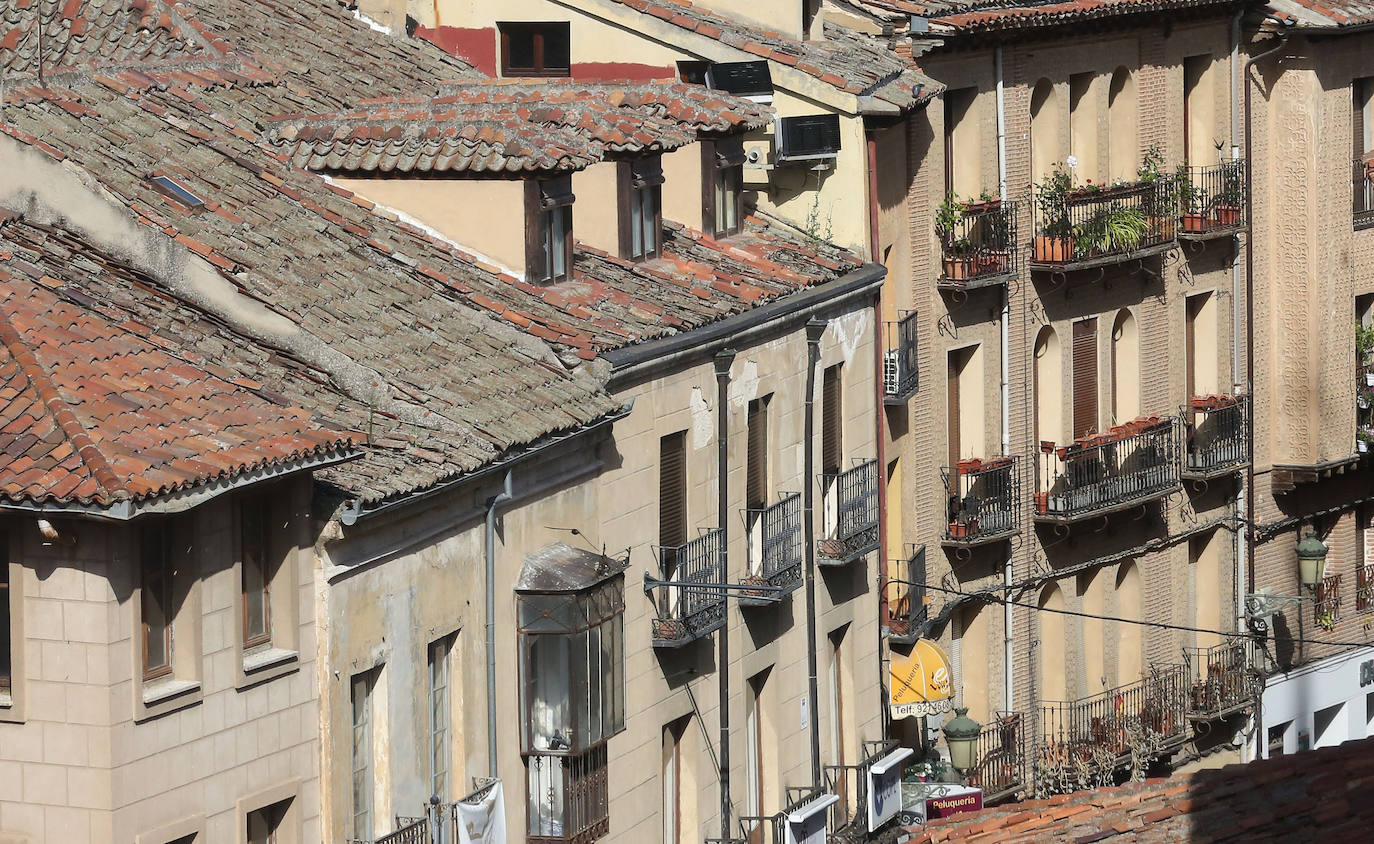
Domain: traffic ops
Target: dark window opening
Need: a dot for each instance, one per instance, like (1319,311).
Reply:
(156,600)
(361,691)
(756,476)
(672,496)
(440,715)
(548,225)
(722,186)
(832,422)
(257,570)
(6,661)
(535,49)
(693,73)
(266,825)
(641,208)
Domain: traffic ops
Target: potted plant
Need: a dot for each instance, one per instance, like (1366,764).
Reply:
(1055,243)
(1326,620)
(958,251)
(1364,348)
(1364,396)
(985,203)
(1189,195)
(1363,437)
(1227,209)
(1116,228)
(1042,503)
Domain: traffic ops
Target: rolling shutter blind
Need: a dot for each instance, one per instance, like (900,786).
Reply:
(672,490)
(952,423)
(1084,377)
(756,481)
(832,444)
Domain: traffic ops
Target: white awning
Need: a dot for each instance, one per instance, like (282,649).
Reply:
(890,761)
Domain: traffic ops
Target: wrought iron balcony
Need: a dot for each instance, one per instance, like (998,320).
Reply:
(775,550)
(1327,609)
(906,597)
(1086,227)
(1217,434)
(1101,731)
(1000,758)
(1212,201)
(899,360)
(1364,406)
(1364,588)
(980,247)
(850,784)
(687,614)
(1127,466)
(856,515)
(1219,681)
(984,500)
(1362,185)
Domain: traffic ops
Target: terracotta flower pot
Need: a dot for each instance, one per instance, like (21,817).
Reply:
(1194,223)
(1228,215)
(958,269)
(1053,250)
(1042,503)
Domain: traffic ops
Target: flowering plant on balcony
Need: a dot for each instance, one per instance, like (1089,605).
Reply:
(1326,620)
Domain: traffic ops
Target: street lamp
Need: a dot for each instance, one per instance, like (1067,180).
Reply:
(1311,560)
(961,734)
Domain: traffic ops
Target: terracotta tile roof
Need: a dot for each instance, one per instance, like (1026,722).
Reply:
(982,17)
(1322,14)
(82,33)
(1317,795)
(690,106)
(845,60)
(94,409)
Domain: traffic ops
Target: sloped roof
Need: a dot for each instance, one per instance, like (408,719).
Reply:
(1323,14)
(845,60)
(983,18)
(94,409)
(1317,795)
(81,33)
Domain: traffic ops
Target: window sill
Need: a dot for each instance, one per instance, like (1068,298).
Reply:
(10,712)
(165,695)
(266,664)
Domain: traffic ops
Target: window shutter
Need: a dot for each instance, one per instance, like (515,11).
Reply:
(1357,138)
(952,422)
(672,490)
(832,445)
(1084,377)
(756,481)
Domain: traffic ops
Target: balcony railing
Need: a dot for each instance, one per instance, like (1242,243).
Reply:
(777,558)
(1362,184)
(981,246)
(1103,730)
(687,614)
(899,360)
(408,831)
(1327,609)
(850,784)
(905,592)
(1130,464)
(1218,434)
(576,810)
(856,515)
(1364,406)
(1000,758)
(1364,588)
(1219,681)
(1212,200)
(1087,228)
(984,500)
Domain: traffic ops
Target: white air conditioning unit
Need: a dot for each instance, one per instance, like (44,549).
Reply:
(812,137)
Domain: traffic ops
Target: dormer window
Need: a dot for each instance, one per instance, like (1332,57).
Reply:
(641,208)
(535,49)
(548,226)
(722,162)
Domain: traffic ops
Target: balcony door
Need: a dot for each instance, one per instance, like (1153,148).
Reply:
(672,509)
(1084,377)
(1201,345)
(965,403)
(1130,605)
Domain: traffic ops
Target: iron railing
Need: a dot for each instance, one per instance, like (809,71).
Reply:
(1217,433)
(899,360)
(772,829)
(1092,225)
(1362,185)
(1212,199)
(409,831)
(984,499)
(1327,608)
(1219,680)
(777,559)
(440,826)
(850,784)
(906,593)
(1134,462)
(981,247)
(688,613)
(1364,588)
(582,815)
(1104,728)
(1364,406)
(856,516)
(999,766)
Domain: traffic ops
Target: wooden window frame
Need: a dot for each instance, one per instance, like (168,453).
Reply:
(672,474)
(440,652)
(269,563)
(638,181)
(722,161)
(1085,384)
(156,536)
(7,659)
(545,198)
(756,453)
(539,31)
(832,420)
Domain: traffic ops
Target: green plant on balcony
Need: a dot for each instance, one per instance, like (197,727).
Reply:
(1364,344)
(947,218)
(1326,620)
(1151,165)
(1115,228)
(1232,185)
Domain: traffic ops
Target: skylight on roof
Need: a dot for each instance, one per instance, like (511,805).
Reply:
(174,189)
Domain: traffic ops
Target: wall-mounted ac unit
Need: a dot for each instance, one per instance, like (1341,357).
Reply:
(751,80)
(808,138)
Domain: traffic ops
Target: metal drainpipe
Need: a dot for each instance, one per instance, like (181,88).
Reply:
(492,503)
(814,329)
(724,358)
(1005,331)
(879,426)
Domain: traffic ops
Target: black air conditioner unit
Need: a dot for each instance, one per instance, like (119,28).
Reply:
(808,138)
(743,79)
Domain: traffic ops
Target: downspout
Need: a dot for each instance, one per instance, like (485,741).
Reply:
(879,426)
(814,329)
(1005,329)
(724,358)
(492,503)
(1238,553)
